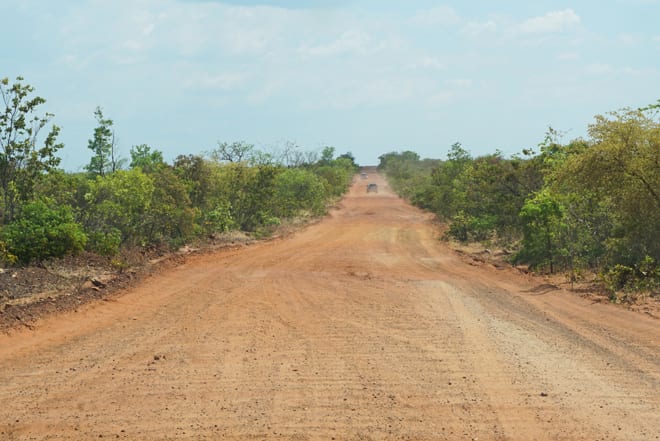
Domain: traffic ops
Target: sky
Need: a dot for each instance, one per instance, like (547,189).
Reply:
(364,76)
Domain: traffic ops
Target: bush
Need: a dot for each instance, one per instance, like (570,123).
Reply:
(6,258)
(619,277)
(41,231)
(169,217)
(219,219)
(297,190)
(466,228)
(643,277)
(105,243)
(542,217)
(121,202)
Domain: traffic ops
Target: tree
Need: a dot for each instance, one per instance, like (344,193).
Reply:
(234,152)
(350,157)
(169,218)
(448,199)
(542,225)
(103,146)
(327,155)
(146,159)
(22,161)
(119,204)
(195,173)
(458,154)
(250,193)
(620,167)
(292,155)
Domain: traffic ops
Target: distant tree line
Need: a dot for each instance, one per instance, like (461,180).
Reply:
(120,203)
(591,204)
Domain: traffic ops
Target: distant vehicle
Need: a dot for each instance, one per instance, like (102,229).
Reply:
(372,188)
(363,175)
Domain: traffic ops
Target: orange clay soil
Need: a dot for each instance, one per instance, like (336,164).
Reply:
(361,327)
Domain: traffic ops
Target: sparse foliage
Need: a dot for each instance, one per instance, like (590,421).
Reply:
(235,152)
(105,158)
(22,158)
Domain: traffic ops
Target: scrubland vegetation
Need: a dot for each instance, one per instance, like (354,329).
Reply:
(117,204)
(589,205)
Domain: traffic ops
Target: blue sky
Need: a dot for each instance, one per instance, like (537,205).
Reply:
(364,76)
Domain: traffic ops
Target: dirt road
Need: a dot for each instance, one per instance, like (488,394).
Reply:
(361,327)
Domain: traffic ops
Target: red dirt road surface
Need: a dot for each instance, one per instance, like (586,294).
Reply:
(361,327)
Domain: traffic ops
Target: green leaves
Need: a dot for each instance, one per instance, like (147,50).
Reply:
(147,160)
(102,145)
(22,160)
(298,190)
(45,212)
(542,217)
(620,167)
(121,202)
(42,231)
(592,203)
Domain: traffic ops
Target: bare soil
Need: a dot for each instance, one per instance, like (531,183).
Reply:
(361,327)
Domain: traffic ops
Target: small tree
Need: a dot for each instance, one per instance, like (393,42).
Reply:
(350,158)
(327,155)
(542,218)
(120,203)
(103,146)
(234,152)
(146,159)
(22,161)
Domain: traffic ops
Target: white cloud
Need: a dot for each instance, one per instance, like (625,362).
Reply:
(355,42)
(629,39)
(477,29)
(604,70)
(438,16)
(632,71)
(134,45)
(639,2)
(428,62)
(568,56)
(148,29)
(441,97)
(598,69)
(462,83)
(223,81)
(552,22)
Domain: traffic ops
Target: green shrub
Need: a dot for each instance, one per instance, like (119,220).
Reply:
(106,243)
(542,218)
(6,258)
(219,219)
(645,276)
(121,202)
(41,231)
(297,190)
(649,275)
(619,277)
(459,227)
(465,227)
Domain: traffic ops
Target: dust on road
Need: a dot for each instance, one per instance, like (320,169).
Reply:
(361,327)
